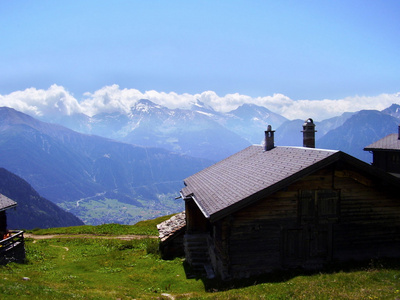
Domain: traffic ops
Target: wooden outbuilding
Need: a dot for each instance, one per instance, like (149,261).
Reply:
(386,153)
(171,234)
(270,208)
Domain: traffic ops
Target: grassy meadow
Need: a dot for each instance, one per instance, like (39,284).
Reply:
(96,268)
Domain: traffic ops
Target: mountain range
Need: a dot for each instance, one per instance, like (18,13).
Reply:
(98,179)
(202,132)
(198,132)
(124,167)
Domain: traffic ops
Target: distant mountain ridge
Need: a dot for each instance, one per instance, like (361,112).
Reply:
(32,211)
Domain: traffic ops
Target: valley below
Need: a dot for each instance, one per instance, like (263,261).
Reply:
(97,210)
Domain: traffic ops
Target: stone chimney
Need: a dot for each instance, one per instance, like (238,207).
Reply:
(309,133)
(269,139)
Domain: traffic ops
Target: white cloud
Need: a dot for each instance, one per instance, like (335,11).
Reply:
(327,108)
(53,101)
(58,101)
(110,99)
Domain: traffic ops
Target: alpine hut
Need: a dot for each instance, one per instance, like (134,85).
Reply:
(271,207)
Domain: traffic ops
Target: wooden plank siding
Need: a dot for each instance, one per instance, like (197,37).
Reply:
(388,161)
(369,224)
(271,234)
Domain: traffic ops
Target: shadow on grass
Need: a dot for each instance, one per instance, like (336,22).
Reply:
(216,284)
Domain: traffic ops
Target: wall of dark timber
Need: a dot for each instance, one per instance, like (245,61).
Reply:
(252,240)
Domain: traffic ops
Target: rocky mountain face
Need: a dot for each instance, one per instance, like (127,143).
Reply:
(67,167)
(32,211)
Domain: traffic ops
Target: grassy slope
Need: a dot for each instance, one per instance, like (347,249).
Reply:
(112,269)
(147,227)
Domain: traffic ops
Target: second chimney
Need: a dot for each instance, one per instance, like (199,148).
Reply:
(269,139)
(309,133)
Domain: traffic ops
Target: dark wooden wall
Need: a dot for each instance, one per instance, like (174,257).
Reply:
(389,161)
(362,223)
(369,224)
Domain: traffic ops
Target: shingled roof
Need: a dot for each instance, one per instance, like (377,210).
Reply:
(6,203)
(170,227)
(390,142)
(245,176)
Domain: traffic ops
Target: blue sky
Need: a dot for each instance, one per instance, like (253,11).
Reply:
(310,50)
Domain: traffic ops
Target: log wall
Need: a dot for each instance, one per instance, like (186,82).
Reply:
(270,234)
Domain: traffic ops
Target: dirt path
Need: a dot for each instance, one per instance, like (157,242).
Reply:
(89,236)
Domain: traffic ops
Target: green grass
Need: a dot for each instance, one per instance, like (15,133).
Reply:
(60,268)
(147,227)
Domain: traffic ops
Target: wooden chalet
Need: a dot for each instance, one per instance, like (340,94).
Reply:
(386,153)
(12,246)
(267,208)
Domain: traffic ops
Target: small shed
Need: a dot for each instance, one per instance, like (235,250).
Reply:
(386,153)
(270,208)
(171,234)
